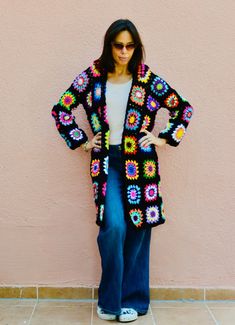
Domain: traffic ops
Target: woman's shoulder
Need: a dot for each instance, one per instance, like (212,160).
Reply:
(147,69)
(92,70)
(144,73)
(95,68)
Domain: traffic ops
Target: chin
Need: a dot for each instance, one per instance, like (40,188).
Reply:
(119,62)
(123,63)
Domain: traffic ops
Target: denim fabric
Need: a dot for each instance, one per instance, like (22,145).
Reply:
(124,250)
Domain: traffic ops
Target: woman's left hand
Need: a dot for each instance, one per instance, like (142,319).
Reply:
(149,138)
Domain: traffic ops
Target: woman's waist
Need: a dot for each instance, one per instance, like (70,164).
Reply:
(115,147)
(115,150)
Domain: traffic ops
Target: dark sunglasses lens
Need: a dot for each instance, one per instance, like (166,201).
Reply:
(119,46)
(130,46)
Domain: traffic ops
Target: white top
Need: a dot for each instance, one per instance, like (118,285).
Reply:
(116,101)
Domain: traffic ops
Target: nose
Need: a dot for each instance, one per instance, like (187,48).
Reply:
(124,50)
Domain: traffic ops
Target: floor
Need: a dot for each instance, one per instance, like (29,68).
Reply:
(83,312)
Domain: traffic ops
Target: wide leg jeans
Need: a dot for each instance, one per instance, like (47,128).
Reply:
(124,250)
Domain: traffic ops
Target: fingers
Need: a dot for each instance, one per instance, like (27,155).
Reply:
(146,140)
(146,143)
(145,137)
(97,140)
(145,131)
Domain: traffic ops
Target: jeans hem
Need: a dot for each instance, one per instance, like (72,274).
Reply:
(139,311)
(108,311)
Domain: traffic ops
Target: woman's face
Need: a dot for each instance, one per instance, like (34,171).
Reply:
(122,55)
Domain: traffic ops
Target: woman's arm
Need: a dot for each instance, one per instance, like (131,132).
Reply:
(180,111)
(63,115)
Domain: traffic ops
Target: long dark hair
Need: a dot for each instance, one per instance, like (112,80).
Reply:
(106,60)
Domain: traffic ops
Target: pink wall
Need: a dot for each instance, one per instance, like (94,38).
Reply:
(47,220)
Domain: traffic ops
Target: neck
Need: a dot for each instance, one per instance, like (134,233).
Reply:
(121,70)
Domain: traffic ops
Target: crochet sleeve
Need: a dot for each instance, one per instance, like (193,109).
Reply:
(179,109)
(62,112)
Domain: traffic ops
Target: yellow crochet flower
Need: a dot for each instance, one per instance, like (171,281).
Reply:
(67,99)
(130,145)
(179,133)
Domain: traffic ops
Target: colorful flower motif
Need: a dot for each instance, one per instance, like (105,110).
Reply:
(67,99)
(101,215)
(66,140)
(133,194)
(65,118)
(106,139)
(159,86)
(132,169)
(89,99)
(104,188)
(95,122)
(136,217)
(178,133)
(152,104)
(130,145)
(187,114)
(146,122)
(149,168)
(133,119)
(106,165)
(95,167)
(167,128)
(146,149)
(172,101)
(152,214)
(150,192)
(138,95)
(141,76)
(76,134)
(97,91)
(81,81)
(94,70)
(95,190)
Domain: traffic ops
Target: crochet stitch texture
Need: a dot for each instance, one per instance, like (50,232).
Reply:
(142,185)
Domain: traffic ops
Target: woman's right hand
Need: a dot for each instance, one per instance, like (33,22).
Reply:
(95,142)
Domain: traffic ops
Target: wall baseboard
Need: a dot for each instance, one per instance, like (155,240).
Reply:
(156,293)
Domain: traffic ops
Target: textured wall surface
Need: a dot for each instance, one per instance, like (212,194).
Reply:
(47,215)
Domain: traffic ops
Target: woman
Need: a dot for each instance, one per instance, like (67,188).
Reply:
(121,97)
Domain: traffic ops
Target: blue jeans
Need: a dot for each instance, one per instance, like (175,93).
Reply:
(124,250)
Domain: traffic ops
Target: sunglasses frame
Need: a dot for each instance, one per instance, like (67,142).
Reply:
(120,46)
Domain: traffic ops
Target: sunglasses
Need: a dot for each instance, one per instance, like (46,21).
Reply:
(120,46)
